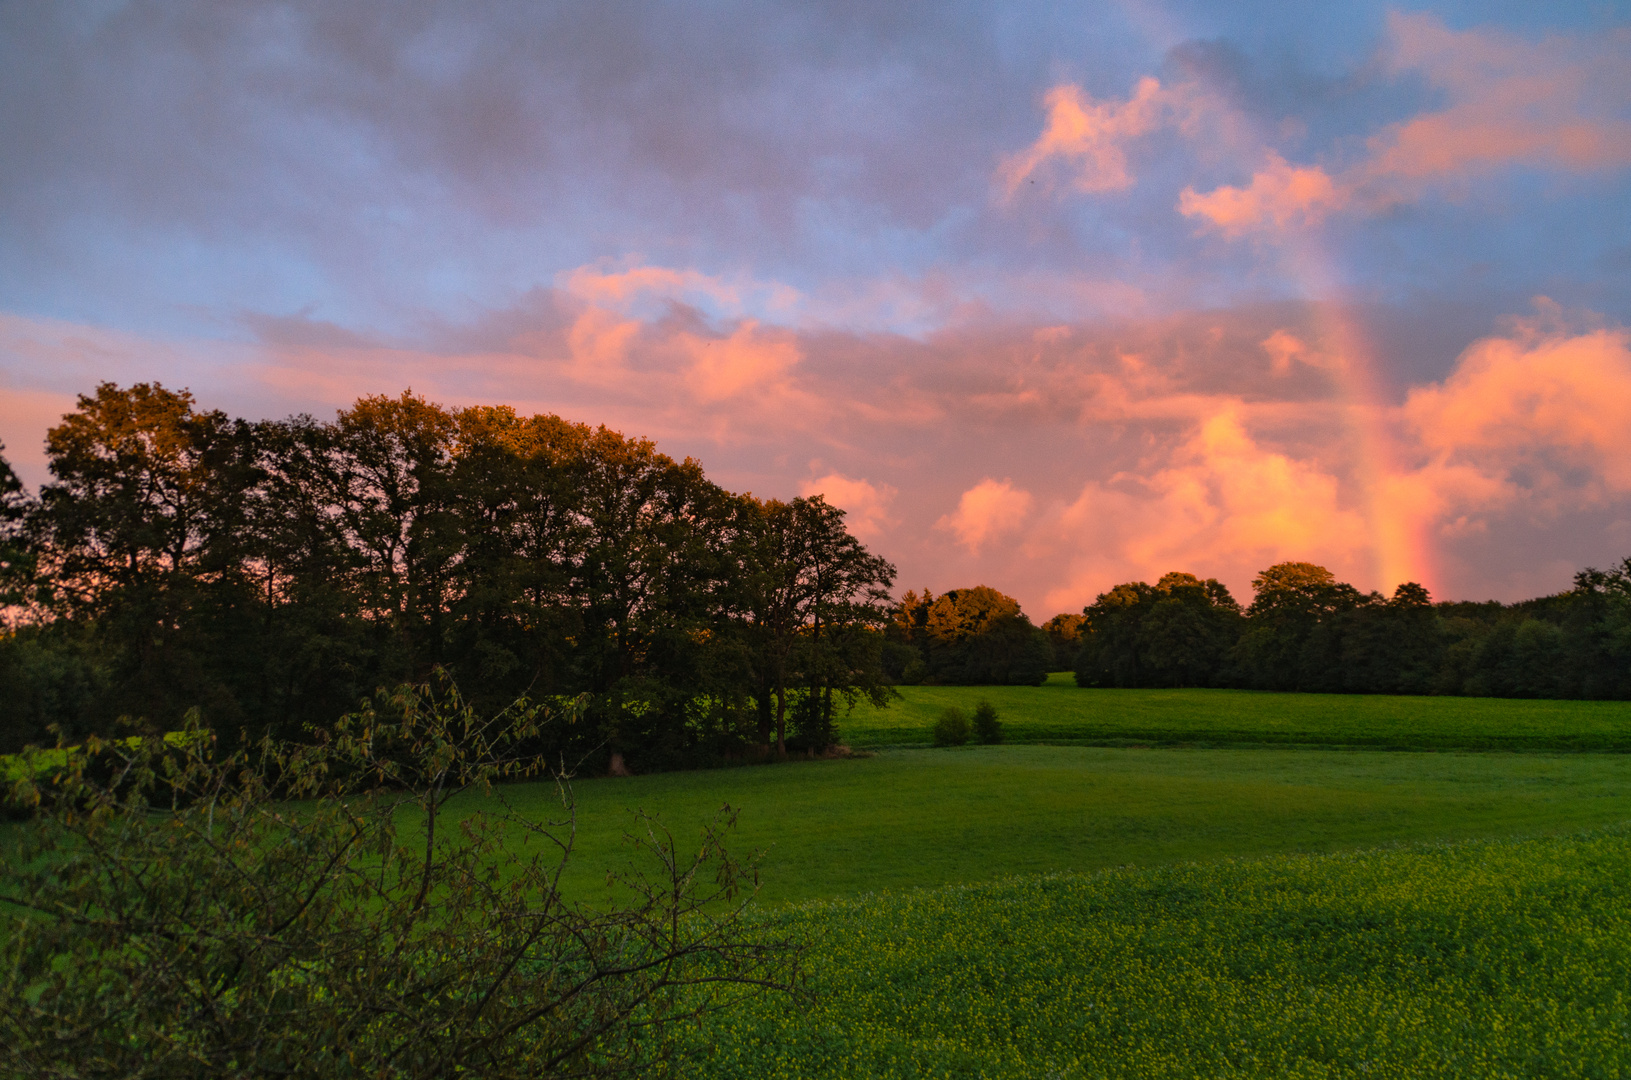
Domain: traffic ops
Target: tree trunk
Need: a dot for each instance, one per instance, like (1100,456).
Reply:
(761,702)
(781,723)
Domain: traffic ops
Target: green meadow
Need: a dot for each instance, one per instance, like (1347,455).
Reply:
(1480,959)
(910,818)
(1168,884)
(1258,892)
(1061,712)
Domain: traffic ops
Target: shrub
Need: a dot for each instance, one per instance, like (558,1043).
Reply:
(170,914)
(952,727)
(987,728)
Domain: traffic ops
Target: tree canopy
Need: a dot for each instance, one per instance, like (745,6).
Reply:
(1305,630)
(970,636)
(272,574)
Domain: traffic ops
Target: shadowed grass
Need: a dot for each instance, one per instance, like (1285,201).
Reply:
(909,818)
(1061,712)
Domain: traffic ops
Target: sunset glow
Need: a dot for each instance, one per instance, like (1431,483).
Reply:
(1046,301)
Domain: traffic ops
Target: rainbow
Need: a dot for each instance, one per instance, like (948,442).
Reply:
(1401,538)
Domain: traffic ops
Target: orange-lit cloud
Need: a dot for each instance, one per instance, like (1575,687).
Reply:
(1559,104)
(599,342)
(1286,350)
(1540,408)
(749,359)
(1280,196)
(1085,139)
(1217,503)
(985,511)
(621,286)
(1216,443)
(865,504)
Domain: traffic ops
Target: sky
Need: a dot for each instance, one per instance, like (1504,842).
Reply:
(1047,297)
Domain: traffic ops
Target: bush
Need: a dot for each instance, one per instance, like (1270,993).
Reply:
(952,727)
(171,914)
(987,728)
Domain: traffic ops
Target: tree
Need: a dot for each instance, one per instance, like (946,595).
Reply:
(17,557)
(512,606)
(651,590)
(1110,653)
(173,916)
(1287,644)
(974,636)
(815,600)
(1065,632)
(1392,646)
(143,533)
(1177,632)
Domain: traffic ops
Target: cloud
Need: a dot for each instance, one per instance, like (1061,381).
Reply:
(1218,504)
(599,342)
(1280,196)
(750,358)
(985,511)
(1286,350)
(865,504)
(1540,412)
(625,289)
(1214,442)
(1085,139)
(1559,104)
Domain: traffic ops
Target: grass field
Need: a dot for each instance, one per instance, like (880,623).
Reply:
(1484,959)
(1061,712)
(1257,892)
(908,818)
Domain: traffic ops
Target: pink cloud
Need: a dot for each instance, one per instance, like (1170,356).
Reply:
(985,511)
(1286,350)
(1559,104)
(749,359)
(599,343)
(1541,409)
(1216,503)
(1086,138)
(1214,442)
(865,504)
(1279,197)
(607,285)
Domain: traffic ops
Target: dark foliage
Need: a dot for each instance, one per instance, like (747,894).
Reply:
(173,915)
(1307,631)
(987,728)
(273,574)
(1065,631)
(951,728)
(1177,632)
(968,637)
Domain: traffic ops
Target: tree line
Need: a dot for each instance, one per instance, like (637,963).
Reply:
(273,573)
(971,636)
(1304,630)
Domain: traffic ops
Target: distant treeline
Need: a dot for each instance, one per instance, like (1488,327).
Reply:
(1304,630)
(272,574)
(966,636)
